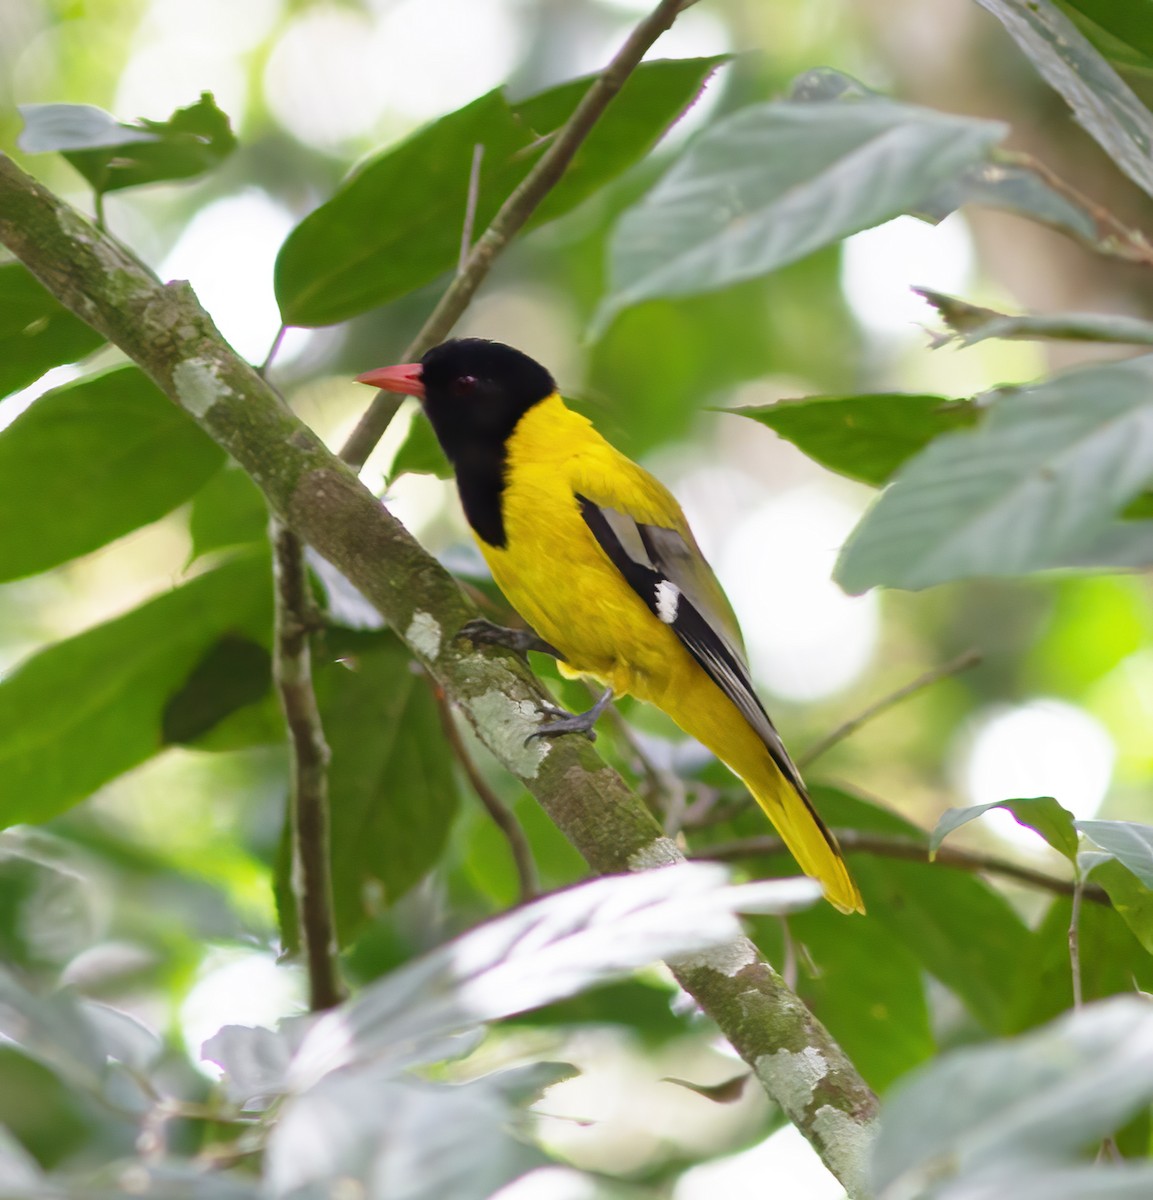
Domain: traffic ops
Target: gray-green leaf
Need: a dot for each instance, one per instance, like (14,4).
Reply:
(1035,1101)
(1028,490)
(774,182)
(1100,99)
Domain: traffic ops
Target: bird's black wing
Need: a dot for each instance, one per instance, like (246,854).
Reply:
(669,573)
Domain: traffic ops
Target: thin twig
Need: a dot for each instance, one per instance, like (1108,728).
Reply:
(1075,938)
(470,205)
(502,817)
(273,350)
(511,218)
(961,663)
(853,841)
(308,801)
(98,211)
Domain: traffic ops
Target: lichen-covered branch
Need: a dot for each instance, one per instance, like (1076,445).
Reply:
(164,329)
(308,784)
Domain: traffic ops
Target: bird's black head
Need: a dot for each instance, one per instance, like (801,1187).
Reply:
(475,391)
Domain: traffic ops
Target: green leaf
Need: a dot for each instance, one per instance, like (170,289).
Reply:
(969,324)
(864,437)
(1101,101)
(1130,843)
(229,510)
(774,182)
(1036,1101)
(112,155)
(381,237)
(1119,29)
(1132,899)
(91,707)
(392,785)
(652,100)
(1042,814)
(36,331)
(1029,489)
(420,453)
(122,451)
(1113,962)
(931,910)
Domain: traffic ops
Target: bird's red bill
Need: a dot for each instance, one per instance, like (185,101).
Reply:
(403,378)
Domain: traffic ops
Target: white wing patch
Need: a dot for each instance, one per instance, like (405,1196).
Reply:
(668,601)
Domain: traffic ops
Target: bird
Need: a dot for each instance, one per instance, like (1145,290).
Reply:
(597,557)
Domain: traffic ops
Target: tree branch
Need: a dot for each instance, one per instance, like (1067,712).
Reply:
(308,786)
(854,841)
(164,329)
(511,218)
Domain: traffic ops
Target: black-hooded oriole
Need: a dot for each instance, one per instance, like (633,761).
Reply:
(598,558)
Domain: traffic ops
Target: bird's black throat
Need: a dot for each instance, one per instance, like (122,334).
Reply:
(475,393)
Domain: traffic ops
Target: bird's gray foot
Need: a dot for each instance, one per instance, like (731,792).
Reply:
(486,633)
(566,722)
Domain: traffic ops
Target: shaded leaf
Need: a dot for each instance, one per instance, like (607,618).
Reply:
(113,439)
(113,155)
(540,953)
(933,910)
(729,1091)
(1113,962)
(379,237)
(774,182)
(863,437)
(1130,843)
(1042,814)
(969,323)
(391,782)
(234,673)
(1029,489)
(229,510)
(1037,1100)
(36,331)
(88,708)
(868,988)
(1101,101)
(1129,21)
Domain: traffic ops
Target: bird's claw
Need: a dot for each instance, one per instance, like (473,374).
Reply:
(486,633)
(563,721)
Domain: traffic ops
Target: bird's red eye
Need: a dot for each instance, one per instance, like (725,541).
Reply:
(464,385)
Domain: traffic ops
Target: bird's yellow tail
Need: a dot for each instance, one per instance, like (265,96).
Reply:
(809,840)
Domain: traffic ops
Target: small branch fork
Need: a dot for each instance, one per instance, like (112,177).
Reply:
(308,798)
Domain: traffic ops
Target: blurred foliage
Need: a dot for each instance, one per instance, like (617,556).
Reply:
(144,876)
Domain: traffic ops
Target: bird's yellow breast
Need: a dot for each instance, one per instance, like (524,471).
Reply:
(553,571)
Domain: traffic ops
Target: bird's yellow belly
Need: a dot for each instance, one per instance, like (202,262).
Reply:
(560,581)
